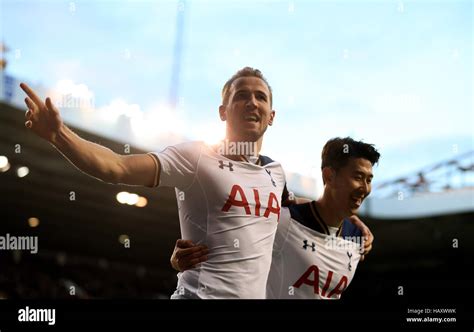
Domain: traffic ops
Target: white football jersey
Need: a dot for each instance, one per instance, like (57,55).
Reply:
(233,207)
(310,264)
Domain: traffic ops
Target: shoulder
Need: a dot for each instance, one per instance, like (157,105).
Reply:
(349,229)
(274,166)
(300,212)
(191,145)
(265,160)
(192,148)
(268,162)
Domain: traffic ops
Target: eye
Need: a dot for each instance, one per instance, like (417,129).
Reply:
(262,97)
(240,95)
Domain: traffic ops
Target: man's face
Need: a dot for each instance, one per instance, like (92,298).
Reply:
(247,111)
(351,185)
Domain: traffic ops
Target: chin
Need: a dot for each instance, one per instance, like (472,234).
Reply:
(251,135)
(353,211)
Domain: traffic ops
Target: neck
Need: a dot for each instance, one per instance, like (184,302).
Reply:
(329,212)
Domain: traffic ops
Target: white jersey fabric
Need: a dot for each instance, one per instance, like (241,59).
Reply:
(233,207)
(308,264)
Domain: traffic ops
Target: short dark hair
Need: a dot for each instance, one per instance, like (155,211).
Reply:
(337,152)
(244,72)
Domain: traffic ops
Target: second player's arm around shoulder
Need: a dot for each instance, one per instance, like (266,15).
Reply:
(366,233)
(187,255)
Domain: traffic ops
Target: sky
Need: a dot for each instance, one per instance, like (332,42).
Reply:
(397,74)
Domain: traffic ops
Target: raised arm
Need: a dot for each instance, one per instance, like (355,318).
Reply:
(44,120)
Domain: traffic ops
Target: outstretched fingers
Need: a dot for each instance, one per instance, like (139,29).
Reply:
(34,97)
(50,106)
(31,105)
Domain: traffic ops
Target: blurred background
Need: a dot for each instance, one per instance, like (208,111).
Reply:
(139,76)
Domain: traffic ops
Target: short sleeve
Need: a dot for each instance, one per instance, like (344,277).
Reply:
(178,164)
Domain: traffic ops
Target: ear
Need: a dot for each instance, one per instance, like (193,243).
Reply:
(328,175)
(222,113)
(272,117)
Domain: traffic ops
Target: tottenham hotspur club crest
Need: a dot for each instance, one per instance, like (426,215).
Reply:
(271,177)
(349,266)
(222,165)
(306,245)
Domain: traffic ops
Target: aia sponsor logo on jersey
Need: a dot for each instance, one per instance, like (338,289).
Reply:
(313,278)
(238,199)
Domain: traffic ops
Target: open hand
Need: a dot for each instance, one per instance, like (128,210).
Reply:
(42,118)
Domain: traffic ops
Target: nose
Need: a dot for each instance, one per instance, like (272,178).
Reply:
(366,188)
(251,102)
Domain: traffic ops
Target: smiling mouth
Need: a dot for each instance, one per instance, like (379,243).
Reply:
(357,201)
(251,118)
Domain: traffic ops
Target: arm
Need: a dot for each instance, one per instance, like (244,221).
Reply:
(302,200)
(186,255)
(288,198)
(366,233)
(93,159)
